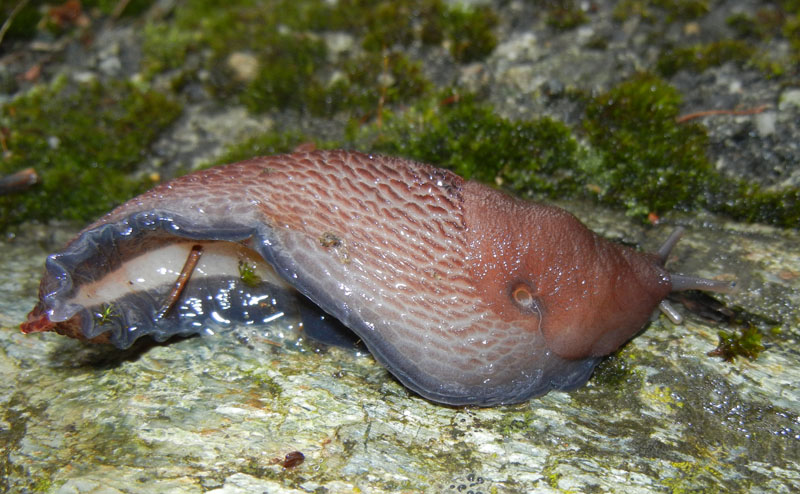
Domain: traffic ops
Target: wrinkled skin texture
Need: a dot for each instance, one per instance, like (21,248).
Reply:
(467,295)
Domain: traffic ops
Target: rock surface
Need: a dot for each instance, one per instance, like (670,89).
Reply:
(219,413)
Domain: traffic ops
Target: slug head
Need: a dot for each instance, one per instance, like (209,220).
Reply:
(541,268)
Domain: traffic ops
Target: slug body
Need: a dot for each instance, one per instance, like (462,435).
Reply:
(465,294)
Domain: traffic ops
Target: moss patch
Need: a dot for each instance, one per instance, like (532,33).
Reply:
(702,56)
(465,135)
(292,66)
(565,14)
(469,31)
(653,10)
(262,145)
(84,142)
(751,41)
(617,371)
(746,342)
(772,19)
(649,162)
(749,202)
(690,474)
(55,17)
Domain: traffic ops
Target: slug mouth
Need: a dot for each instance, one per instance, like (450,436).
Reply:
(681,282)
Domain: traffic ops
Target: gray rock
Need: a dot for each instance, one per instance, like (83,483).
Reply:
(218,412)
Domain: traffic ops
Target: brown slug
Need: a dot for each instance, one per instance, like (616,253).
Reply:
(467,295)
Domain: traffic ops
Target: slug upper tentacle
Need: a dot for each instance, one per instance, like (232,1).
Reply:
(467,295)
(682,282)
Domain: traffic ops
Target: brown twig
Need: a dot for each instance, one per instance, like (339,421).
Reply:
(706,113)
(180,283)
(450,100)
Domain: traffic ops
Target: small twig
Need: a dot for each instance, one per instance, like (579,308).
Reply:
(180,283)
(706,113)
(7,24)
(452,99)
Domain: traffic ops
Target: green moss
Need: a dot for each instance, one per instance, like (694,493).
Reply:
(744,26)
(203,26)
(749,202)
(165,47)
(133,8)
(43,484)
(772,20)
(702,56)
(295,68)
(470,32)
(468,29)
(649,162)
(746,342)
(265,383)
(690,474)
(565,14)
(469,138)
(290,80)
(626,9)
(286,76)
(791,31)
(33,16)
(262,145)
(615,371)
(83,141)
(368,82)
(653,10)
(683,9)
(377,22)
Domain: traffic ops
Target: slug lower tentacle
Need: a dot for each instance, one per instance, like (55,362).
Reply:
(467,295)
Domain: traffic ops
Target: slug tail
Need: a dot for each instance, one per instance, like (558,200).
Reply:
(37,321)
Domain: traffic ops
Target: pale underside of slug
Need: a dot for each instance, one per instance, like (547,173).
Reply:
(462,305)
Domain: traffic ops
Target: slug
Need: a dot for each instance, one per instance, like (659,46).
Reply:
(465,294)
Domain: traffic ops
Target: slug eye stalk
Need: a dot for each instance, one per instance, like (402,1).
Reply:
(681,282)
